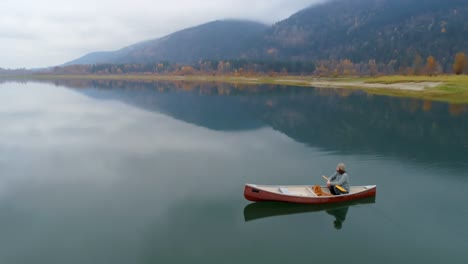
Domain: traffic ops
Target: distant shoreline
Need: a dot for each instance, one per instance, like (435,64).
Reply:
(447,88)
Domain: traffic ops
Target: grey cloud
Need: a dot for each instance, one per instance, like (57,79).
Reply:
(50,32)
(14,35)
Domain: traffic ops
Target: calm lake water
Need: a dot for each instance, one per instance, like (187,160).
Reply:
(119,172)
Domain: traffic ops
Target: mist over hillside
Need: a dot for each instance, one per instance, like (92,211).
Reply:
(388,31)
(361,30)
(224,39)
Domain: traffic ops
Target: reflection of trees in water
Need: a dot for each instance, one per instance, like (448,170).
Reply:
(200,88)
(358,124)
(341,120)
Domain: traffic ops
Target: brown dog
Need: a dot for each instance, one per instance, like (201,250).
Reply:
(319,192)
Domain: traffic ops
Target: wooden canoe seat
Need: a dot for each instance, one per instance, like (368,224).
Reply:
(311,192)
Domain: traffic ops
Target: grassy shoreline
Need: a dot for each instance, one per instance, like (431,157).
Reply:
(446,88)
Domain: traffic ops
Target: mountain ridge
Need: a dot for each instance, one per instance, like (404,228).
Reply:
(186,45)
(388,31)
(361,30)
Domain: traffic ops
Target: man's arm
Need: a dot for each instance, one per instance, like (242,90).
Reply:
(331,178)
(344,178)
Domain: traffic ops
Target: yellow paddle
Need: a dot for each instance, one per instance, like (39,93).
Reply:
(337,186)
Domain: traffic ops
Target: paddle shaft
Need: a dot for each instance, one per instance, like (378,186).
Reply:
(337,186)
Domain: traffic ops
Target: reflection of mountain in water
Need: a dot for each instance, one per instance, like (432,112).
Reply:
(211,111)
(335,120)
(356,123)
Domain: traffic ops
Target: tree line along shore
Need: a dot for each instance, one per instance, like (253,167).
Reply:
(423,79)
(446,88)
(244,67)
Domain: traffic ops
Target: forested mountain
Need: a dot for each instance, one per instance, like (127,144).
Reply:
(388,31)
(384,30)
(226,39)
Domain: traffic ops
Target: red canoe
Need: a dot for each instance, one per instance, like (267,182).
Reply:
(303,194)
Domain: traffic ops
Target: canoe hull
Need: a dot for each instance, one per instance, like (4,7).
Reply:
(256,193)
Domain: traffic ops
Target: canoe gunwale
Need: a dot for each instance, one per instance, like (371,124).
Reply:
(257,193)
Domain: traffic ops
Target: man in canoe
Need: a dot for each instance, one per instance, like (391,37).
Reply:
(338,183)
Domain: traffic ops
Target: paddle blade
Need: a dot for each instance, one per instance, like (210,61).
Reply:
(341,188)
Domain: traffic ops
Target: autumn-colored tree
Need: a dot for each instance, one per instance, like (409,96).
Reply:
(431,65)
(187,70)
(321,70)
(459,65)
(409,71)
(239,72)
(347,67)
(220,67)
(160,68)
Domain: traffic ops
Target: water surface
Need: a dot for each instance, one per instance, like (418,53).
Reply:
(120,172)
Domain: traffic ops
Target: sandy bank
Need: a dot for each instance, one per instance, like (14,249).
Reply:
(408,86)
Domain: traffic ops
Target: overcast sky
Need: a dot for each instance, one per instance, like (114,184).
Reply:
(50,32)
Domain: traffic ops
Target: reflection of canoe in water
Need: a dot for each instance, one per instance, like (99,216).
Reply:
(303,194)
(255,211)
